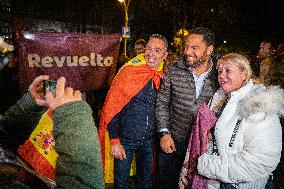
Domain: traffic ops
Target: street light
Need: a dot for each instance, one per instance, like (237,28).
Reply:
(125,5)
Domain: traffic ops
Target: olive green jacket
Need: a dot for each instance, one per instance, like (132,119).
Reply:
(79,163)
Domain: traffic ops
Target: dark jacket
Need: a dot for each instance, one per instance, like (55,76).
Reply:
(136,121)
(275,74)
(76,141)
(19,121)
(176,103)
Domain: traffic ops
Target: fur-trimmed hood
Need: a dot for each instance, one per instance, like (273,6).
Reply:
(263,100)
(255,99)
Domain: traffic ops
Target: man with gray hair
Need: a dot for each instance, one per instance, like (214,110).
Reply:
(128,113)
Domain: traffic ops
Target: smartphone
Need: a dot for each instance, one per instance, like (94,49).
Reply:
(49,85)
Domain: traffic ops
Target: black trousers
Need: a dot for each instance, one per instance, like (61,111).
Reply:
(170,165)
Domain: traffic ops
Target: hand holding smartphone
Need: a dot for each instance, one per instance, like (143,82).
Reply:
(49,86)
(62,95)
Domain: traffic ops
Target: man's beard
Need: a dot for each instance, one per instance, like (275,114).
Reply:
(196,63)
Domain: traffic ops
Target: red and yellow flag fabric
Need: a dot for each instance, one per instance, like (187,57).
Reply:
(39,150)
(131,78)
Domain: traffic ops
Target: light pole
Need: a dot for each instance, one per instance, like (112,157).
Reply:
(125,5)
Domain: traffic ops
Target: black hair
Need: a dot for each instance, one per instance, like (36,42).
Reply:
(208,35)
(140,42)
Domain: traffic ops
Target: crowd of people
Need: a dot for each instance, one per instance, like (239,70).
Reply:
(151,116)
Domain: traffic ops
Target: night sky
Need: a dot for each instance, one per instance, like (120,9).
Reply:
(242,23)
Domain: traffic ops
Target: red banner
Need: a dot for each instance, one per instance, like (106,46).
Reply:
(88,61)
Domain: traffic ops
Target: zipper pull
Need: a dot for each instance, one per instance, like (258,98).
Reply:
(147,120)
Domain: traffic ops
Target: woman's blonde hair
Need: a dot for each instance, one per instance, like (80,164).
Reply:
(239,60)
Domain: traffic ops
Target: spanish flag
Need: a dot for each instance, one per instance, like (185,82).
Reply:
(131,78)
(39,149)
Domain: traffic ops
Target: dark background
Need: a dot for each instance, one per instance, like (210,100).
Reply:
(242,23)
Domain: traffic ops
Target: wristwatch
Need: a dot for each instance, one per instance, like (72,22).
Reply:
(163,133)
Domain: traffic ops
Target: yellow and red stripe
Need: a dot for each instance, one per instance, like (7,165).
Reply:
(39,150)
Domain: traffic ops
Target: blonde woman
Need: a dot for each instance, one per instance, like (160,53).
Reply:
(247,138)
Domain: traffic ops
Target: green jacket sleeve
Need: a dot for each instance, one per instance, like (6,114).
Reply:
(19,121)
(79,164)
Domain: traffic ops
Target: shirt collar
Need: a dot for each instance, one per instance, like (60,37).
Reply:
(204,74)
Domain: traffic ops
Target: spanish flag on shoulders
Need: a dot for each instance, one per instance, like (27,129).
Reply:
(130,79)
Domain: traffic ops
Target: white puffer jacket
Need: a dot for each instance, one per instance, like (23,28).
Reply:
(256,146)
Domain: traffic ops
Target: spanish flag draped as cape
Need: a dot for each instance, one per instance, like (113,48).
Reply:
(131,78)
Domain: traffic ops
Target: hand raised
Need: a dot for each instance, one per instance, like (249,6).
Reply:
(37,91)
(62,95)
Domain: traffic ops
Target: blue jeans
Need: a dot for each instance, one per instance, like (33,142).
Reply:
(144,155)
